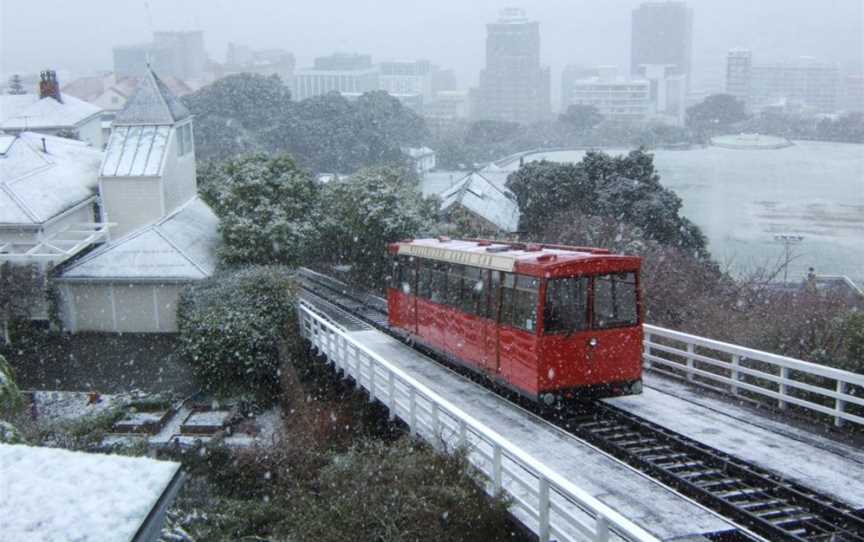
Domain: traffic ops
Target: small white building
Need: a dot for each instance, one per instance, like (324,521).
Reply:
(424,159)
(163,236)
(50,112)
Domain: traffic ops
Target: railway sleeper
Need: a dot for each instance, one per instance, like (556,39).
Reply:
(664,457)
(692,476)
(720,483)
(752,506)
(650,449)
(625,435)
(792,520)
(743,492)
(634,442)
(782,511)
(679,466)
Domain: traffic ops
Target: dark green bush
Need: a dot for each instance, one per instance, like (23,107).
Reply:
(231,326)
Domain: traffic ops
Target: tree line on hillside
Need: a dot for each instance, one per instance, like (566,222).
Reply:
(249,113)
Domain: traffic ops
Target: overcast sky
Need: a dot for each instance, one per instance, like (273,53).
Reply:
(77,35)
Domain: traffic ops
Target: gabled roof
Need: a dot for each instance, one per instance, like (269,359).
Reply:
(495,204)
(36,186)
(181,246)
(152,103)
(29,112)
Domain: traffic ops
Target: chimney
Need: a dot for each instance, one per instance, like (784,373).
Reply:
(48,85)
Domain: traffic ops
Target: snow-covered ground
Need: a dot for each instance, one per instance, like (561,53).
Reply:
(60,495)
(69,405)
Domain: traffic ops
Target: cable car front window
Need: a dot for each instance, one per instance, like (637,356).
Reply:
(615,300)
(566,305)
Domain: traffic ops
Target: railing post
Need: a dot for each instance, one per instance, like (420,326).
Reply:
(463,434)
(646,362)
(496,469)
(840,404)
(784,389)
(437,434)
(412,410)
(391,395)
(543,510)
(690,349)
(602,529)
(736,362)
(371,379)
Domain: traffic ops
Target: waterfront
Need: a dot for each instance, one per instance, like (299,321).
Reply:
(742,199)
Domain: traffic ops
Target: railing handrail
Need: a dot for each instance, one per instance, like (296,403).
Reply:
(761,355)
(618,522)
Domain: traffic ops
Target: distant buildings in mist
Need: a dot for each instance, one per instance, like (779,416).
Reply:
(514,84)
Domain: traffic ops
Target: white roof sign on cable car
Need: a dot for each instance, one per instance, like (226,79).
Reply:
(460,252)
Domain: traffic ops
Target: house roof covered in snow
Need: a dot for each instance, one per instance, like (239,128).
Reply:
(182,246)
(36,186)
(54,494)
(486,199)
(29,112)
(151,103)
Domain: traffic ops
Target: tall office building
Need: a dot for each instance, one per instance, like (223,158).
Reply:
(178,54)
(662,34)
(739,64)
(513,86)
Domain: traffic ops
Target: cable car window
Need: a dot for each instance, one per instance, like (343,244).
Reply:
(407,274)
(454,285)
(615,300)
(525,300)
(566,305)
(424,279)
(494,295)
(473,291)
(507,298)
(393,277)
(438,289)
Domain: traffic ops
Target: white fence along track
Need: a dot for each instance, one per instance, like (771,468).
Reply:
(779,380)
(552,506)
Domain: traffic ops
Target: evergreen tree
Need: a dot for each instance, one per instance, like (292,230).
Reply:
(15,85)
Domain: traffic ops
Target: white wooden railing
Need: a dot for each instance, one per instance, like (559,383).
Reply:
(547,502)
(766,377)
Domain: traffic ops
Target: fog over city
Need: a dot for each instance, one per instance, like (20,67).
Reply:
(35,35)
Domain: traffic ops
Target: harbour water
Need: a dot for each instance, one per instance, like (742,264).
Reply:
(748,201)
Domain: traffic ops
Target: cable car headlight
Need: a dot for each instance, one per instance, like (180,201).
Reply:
(593,342)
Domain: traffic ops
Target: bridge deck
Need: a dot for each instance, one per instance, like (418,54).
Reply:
(645,502)
(824,465)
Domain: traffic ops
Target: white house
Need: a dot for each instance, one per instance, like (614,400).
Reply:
(424,159)
(481,203)
(48,200)
(50,112)
(162,236)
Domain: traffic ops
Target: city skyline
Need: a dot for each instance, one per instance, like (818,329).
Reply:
(391,31)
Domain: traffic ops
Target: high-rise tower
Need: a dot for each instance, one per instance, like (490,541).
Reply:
(662,34)
(513,86)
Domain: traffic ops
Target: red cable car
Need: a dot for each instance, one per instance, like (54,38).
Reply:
(550,322)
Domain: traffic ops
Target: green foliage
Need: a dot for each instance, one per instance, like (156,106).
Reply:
(15,85)
(581,117)
(251,113)
(853,336)
(10,435)
(266,208)
(715,114)
(623,188)
(22,287)
(231,327)
(398,492)
(374,207)
(11,400)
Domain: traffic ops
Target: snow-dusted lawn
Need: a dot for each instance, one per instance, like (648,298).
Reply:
(70,405)
(60,495)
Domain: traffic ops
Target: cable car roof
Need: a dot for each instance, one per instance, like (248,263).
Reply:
(506,256)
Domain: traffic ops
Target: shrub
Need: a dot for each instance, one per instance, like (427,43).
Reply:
(231,327)
(398,492)
(10,396)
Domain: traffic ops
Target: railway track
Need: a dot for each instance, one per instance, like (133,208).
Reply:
(762,502)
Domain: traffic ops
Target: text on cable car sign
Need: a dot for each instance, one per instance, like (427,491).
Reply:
(476,259)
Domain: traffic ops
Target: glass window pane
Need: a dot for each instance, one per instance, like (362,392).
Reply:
(438,292)
(615,300)
(424,280)
(406,274)
(454,285)
(507,299)
(566,305)
(525,303)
